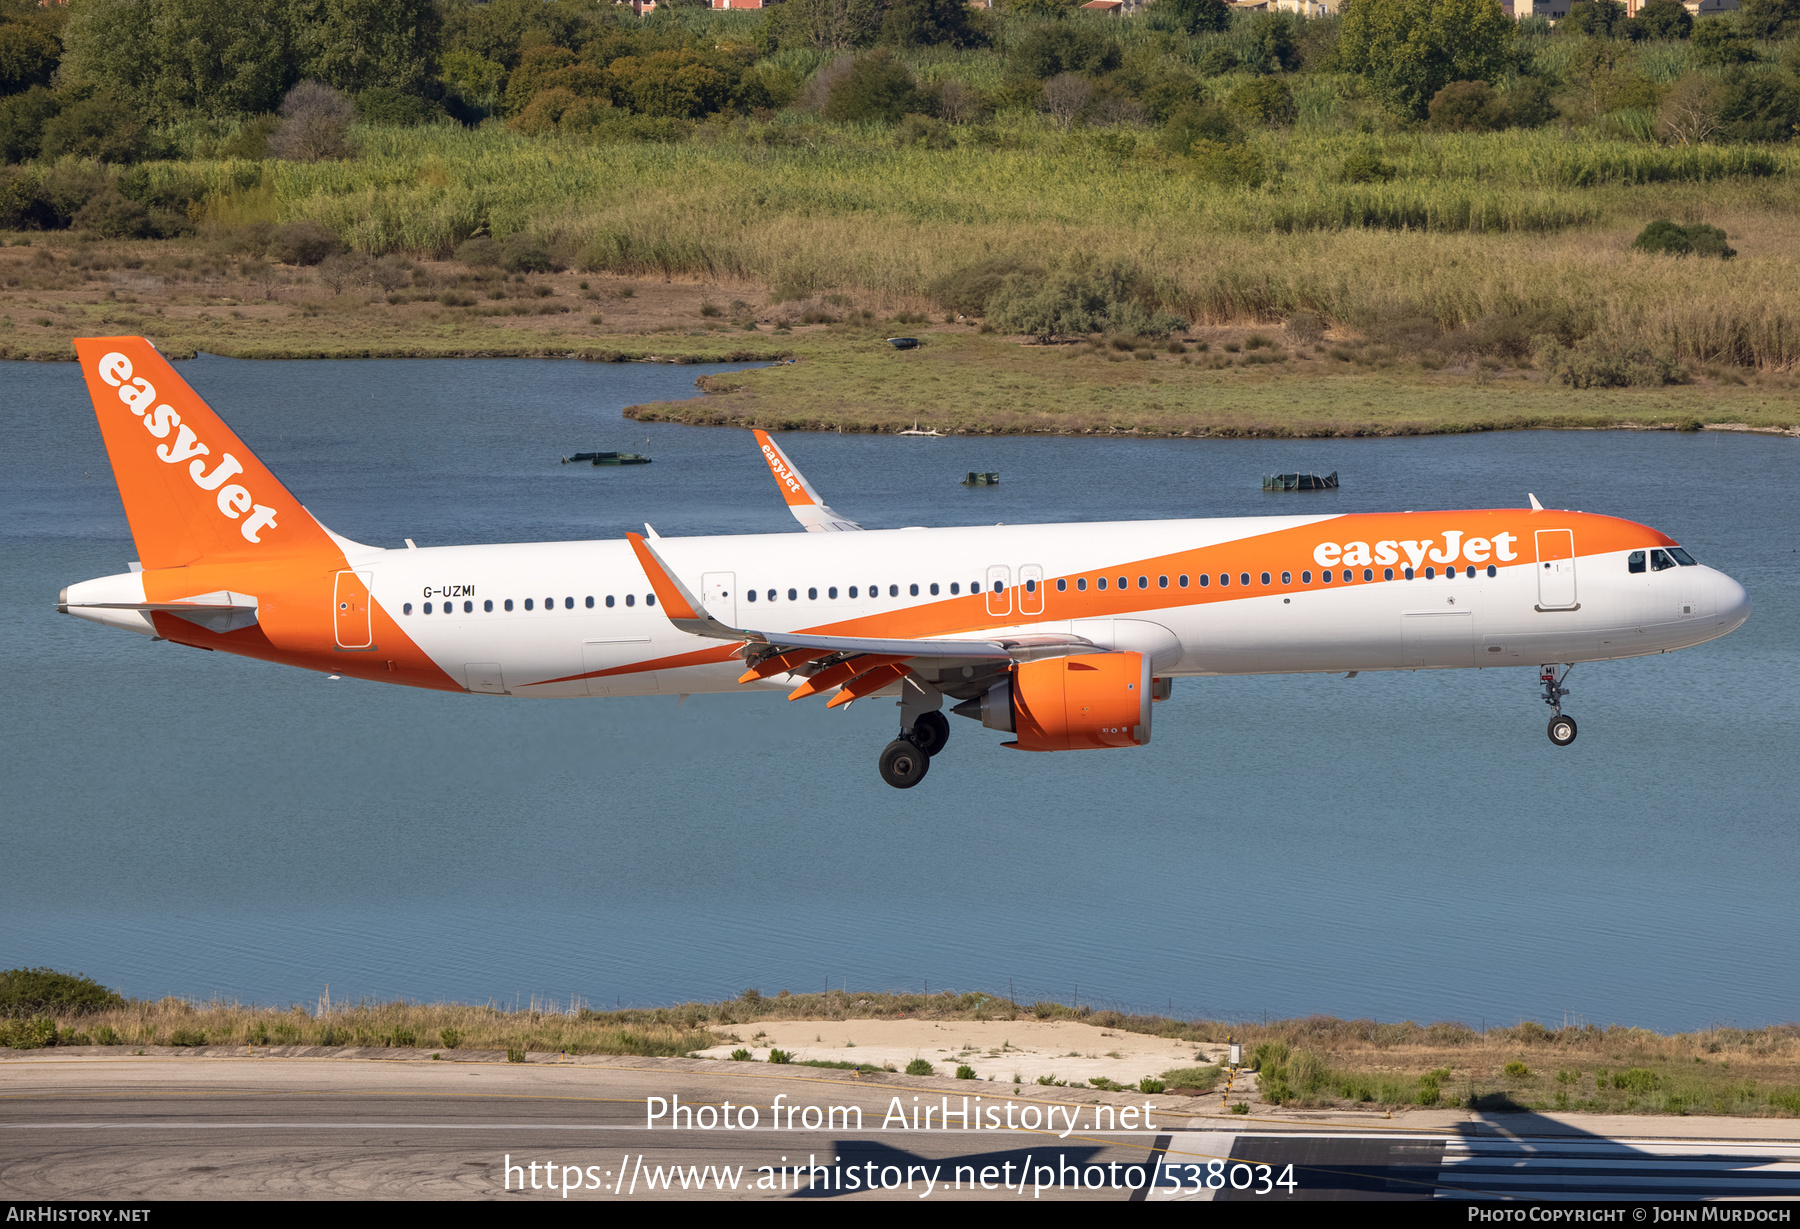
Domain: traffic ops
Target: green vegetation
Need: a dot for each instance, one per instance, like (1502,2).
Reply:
(1036,170)
(32,992)
(920,1066)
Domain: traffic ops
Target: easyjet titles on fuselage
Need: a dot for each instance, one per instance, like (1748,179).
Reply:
(1475,550)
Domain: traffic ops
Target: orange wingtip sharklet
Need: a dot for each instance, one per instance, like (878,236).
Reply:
(873,681)
(843,672)
(668,590)
(794,488)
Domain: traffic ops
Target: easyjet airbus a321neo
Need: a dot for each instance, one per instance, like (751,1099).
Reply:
(1063,636)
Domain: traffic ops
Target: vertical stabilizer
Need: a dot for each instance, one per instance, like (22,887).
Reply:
(191,490)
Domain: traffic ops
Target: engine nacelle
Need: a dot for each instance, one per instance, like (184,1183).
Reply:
(1079,703)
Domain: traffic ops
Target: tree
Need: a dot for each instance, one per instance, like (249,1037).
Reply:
(1193,16)
(103,126)
(1690,112)
(933,23)
(1411,49)
(22,120)
(1666,19)
(835,25)
(1272,45)
(357,45)
(1064,96)
(1596,18)
(27,57)
(1770,19)
(315,124)
(1049,50)
(215,57)
(1265,100)
(1718,42)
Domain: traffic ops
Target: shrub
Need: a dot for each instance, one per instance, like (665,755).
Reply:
(965,1072)
(1231,165)
(1665,19)
(251,140)
(741,1056)
(1305,327)
(934,23)
(315,124)
(187,1037)
(1516,1069)
(1364,166)
(1468,106)
(1770,19)
(919,1066)
(878,88)
(677,84)
(1637,1080)
(514,1055)
(392,108)
(1075,303)
(1066,48)
(1265,100)
(1147,1084)
(523,253)
(925,132)
(28,1034)
(1759,107)
(1528,103)
(450,1038)
(29,992)
(1192,122)
(780,1057)
(22,120)
(1672,239)
(1593,364)
(103,127)
(304,243)
(1430,1090)
(968,289)
(1409,49)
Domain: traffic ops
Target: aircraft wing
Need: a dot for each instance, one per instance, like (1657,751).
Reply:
(802,500)
(858,664)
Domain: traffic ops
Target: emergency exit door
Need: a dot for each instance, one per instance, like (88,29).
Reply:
(351,602)
(1556,569)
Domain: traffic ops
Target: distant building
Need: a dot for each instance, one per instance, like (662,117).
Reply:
(1308,8)
(737,4)
(1552,10)
(1103,6)
(1706,8)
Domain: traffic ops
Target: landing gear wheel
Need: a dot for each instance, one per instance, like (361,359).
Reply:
(1562,730)
(903,765)
(931,731)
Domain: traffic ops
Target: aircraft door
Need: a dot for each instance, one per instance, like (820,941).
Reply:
(720,590)
(999,590)
(1556,569)
(1031,589)
(350,603)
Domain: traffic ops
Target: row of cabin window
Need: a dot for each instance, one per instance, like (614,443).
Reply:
(1124,582)
(549,604)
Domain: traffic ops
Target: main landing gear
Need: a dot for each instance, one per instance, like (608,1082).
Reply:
(905,761)
(1562,728)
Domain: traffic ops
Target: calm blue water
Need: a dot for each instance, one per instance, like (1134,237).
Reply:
(1395,846)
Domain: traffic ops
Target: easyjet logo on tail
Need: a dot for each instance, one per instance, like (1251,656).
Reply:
(783,474)
(1360,554)
(139,395)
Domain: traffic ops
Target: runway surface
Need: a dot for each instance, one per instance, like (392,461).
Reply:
(289,1127)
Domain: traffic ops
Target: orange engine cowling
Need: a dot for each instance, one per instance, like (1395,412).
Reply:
(1081,703)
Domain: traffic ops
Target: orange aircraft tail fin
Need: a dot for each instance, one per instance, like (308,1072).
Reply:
(191,490)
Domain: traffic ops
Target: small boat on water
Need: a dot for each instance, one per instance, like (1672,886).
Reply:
(990,478)
(608,458)
(903,343)
(1300,482)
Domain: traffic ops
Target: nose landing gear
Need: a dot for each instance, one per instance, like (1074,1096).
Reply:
(1562,728)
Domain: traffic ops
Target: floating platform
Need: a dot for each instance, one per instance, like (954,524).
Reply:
(608,458)
(1301,482)
(991,478)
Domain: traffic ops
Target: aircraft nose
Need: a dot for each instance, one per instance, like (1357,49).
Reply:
(1731,600)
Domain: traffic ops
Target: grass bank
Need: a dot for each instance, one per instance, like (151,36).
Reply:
(1315,1061)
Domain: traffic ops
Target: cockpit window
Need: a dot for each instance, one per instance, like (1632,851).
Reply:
(1683,558)
(1660,561)
(1634,563)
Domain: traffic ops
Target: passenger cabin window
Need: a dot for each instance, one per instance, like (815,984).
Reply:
(913,590)
(1205,579)
(1184,580)
(1101,583)
(1124,583)
(527,605)
(1062,585)
(630,600)
(1162,582)
(1225,579)
(1661,561)
(934,588)
(649,599)
(1143,582)
(488,606)
(406,609)
(1265,578)
(955,588)
(894,590)
(1287,578)
(590,603)
(468,607)
(812,595)
(609,600)
(1081,584)
(832,593)
(508,603)
(1306,578)
(1244,579)
(1388,574)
